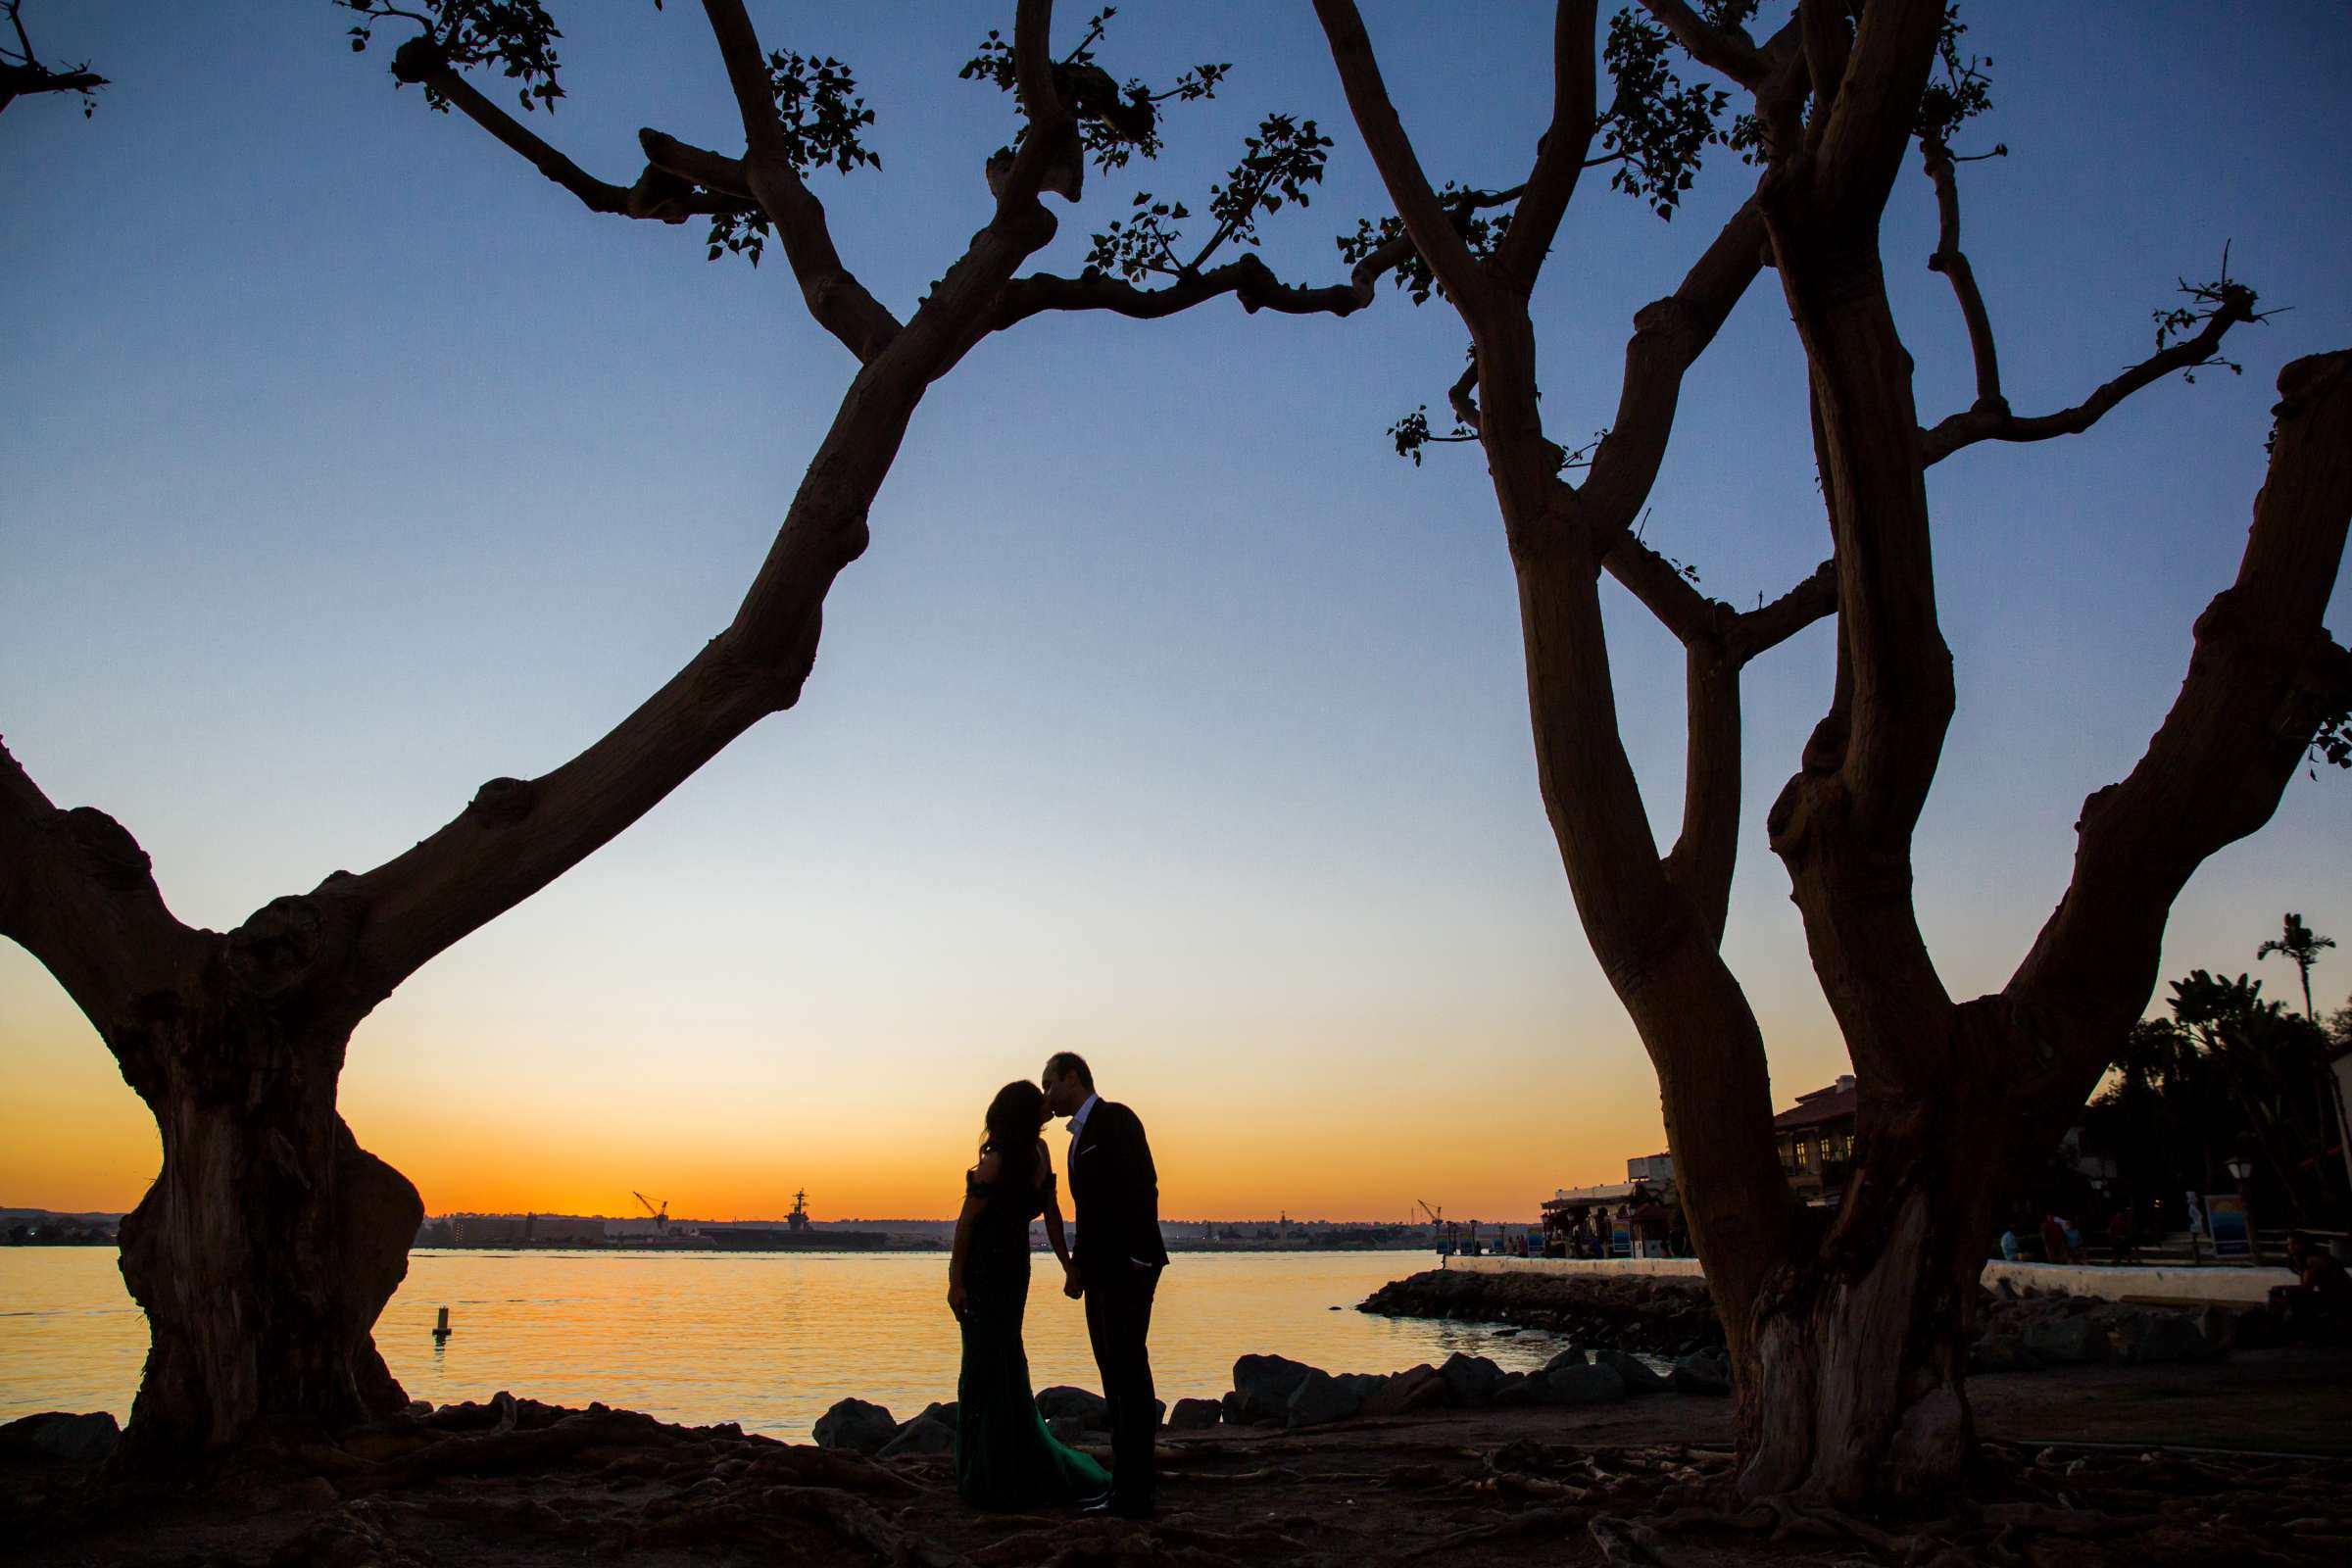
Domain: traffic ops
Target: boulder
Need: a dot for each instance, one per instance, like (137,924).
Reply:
(1999,1353)
(1595,1384)
(932,1431)
(1092,1409)
(1067,1430)
(1517,1391)
(1265,1384)
(1638,1375)
(1469,1379)
(2067,1340)
(857,1425)
(2154,1335)
(1571,1356)
(1420,1388)
(1708,1372)
(1235,1408)
(1195,1415)
(58,1434)
(1320,1398)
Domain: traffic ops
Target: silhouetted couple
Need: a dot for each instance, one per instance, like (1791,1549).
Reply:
(1005,1457)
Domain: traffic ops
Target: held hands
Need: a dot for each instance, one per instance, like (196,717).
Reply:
(1072,1285)
(956,1298)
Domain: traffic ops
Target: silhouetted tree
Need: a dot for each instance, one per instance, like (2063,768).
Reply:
(23,74)
(1847,1330)
(271,1240)
(2300,944)
(2275,1067)
(2167,1113)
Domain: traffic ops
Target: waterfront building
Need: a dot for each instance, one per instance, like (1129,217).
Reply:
(1816,1138)
(1604,1215)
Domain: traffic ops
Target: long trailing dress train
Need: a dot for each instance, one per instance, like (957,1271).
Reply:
(1005,1457)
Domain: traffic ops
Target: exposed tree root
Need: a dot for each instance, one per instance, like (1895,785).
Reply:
(1628,1545)
(1547,1522)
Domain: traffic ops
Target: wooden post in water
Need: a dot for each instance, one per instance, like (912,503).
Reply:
(441,1327)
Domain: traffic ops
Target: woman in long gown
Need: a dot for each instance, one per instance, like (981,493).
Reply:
(1005,1457)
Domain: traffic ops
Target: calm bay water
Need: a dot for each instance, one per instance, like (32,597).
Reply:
(769,1340)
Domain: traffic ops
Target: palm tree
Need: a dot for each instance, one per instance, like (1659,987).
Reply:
(2298,941)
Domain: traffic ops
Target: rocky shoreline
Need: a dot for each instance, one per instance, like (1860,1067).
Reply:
(1666,1317)
(2014,1331)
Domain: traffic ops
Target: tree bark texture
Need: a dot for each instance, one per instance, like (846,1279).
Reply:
(1856,1387)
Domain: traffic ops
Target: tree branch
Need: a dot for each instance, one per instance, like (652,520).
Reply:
(1707,850)
(1247,278)
(1730,51)
(1760,630)
(1996,423)
(1049,157)
(26,75)
(1669,335)
(1952,262)
(696,166)
(747,76)
(1425,218)
(22,81)
(1553,184)
(77,892)
(2263,673)
(1461,397)
(419,61)
(1667,594)
(1865,111)
(837,301)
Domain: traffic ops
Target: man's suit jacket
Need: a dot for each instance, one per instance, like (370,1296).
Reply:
(1115,1190)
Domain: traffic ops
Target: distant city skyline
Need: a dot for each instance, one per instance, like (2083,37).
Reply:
(1169,716)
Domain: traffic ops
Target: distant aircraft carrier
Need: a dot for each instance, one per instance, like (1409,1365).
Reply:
(798,1234)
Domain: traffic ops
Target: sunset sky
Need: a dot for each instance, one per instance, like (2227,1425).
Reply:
(1170,717)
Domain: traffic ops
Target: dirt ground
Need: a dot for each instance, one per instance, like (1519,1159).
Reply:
(1636,1482)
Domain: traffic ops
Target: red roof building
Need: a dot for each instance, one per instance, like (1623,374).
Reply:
(1816,1136)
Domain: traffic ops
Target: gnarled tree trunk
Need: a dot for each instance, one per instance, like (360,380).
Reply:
(1855,1387)
(263,1255)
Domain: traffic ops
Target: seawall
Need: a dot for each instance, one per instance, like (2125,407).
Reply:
(2235,1285)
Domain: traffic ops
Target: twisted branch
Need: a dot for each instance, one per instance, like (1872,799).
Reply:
(78,894)
(1994,422)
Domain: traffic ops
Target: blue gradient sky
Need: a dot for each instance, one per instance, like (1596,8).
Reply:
(1169,718)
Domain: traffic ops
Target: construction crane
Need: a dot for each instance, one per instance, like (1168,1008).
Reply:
(661,1215)
(1438,1234)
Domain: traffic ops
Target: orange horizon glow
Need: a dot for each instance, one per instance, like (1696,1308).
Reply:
(74,1138)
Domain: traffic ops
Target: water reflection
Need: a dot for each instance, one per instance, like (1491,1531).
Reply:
(768,1339)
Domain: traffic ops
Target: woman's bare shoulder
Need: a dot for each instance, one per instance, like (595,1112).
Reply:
(991,1166)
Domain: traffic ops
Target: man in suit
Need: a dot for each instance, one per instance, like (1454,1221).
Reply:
(1115,1268)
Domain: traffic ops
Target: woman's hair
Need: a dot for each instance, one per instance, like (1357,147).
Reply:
(1014,1119)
